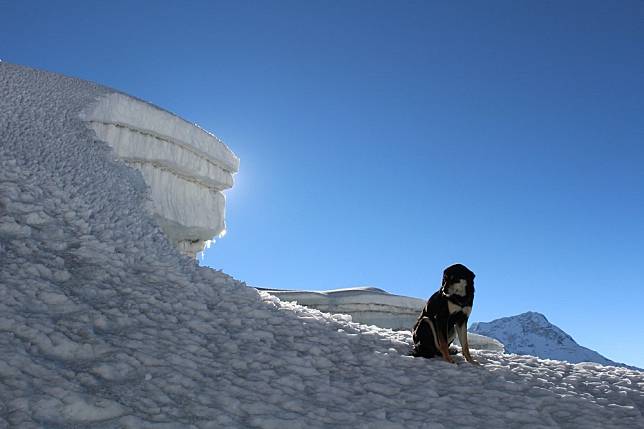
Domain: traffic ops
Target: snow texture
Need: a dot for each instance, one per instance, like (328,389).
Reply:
(532,334)
(185,167)
(103,324)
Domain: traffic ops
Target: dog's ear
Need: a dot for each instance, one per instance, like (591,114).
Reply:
(446,280)
(470,278)
(470,283)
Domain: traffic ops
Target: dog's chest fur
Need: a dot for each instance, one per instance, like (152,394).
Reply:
(454,308)
(456,294)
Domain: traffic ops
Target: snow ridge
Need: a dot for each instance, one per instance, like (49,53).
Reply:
(368,305)
(103,324)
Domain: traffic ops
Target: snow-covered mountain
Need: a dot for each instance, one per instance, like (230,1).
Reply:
(105,324)
(532,334)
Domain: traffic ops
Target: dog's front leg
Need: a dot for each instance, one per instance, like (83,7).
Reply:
(443,347)
(461,331)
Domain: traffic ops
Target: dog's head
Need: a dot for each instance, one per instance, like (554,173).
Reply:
(458,280)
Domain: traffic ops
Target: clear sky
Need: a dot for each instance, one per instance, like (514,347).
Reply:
(381,141)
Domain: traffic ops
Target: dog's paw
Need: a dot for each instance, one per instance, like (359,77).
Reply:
(449,359)
(472,361)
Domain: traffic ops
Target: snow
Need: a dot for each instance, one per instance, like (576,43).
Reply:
(104,324)
(532,334)
(368,305)
(481,342)
(185,167)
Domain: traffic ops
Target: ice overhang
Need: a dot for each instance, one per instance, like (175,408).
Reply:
(185,167)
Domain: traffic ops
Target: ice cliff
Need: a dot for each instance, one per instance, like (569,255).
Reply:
(185,167)
(368,305)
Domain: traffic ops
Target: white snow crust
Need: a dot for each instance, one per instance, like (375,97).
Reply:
(185,167)
(103,324)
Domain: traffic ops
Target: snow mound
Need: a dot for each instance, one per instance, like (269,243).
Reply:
(185,167)
(103,324)
(531,333)
(481,342)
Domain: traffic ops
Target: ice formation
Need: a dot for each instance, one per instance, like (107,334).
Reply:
(185,167)
(103,324)
(368,305)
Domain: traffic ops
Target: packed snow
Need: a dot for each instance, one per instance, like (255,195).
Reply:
(532,334)
(104,324)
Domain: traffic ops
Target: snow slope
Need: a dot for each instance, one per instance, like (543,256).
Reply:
(103,324)
(532,334)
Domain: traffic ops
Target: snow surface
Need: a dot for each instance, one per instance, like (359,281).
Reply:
(103,324)
(532,334)
(185,167)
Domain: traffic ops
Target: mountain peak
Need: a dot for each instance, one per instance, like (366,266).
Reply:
(531,316)
(531,333)
(534,315)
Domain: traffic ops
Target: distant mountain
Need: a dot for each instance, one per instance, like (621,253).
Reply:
(532,334)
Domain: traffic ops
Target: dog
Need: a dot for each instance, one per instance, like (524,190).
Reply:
(445,315)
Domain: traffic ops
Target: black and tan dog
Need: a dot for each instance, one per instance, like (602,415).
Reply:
(445,315)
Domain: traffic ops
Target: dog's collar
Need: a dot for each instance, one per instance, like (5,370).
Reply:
(456,299)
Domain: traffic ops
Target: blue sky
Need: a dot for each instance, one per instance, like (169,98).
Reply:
(382,141)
